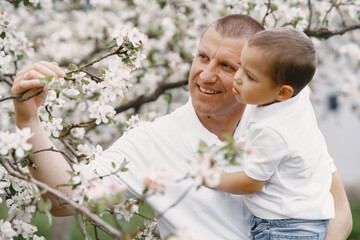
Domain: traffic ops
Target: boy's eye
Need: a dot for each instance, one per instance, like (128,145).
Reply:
(250,78)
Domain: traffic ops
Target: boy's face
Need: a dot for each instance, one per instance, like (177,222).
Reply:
(252,82)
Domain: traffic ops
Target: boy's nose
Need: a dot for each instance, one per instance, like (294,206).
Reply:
(237,77)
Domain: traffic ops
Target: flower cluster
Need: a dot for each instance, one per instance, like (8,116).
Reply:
(15,141)
(53,126)
(126,209)
(149,232)
(204,169)
(89,186)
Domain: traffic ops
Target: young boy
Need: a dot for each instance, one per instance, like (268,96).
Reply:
(287,175)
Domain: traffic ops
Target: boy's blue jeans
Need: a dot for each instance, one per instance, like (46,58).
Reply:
(295,229)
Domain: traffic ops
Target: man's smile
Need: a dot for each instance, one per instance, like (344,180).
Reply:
(208,91)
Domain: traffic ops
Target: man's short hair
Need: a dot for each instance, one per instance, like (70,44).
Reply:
(236,26)
(290,56)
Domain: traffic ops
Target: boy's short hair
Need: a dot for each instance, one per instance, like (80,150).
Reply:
(236,26)
(290,54)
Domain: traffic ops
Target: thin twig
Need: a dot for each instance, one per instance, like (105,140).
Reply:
(93,76)
(328,11)
(268,11)
(20,96)
(310,14)
(118,51)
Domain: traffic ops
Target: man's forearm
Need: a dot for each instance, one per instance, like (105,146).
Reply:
(341,226)
(51,167)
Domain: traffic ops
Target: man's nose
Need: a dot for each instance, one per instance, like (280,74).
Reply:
(209,73)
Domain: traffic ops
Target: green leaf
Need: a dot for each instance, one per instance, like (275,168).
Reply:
(162,3)
(26,2)
(3,35)
(86,82)
(126,60)
(123,164)
(73,67)
(24,162)
(102,71)
(113,164)
(48,78)
(203,147)
(110,44)
(229,138)
(273,7)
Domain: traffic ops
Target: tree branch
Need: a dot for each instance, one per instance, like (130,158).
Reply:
(326,33)
(114,233)
(149,98)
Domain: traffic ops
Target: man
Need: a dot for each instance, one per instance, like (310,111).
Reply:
(171,141)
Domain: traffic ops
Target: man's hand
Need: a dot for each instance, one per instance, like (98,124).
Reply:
(27,79)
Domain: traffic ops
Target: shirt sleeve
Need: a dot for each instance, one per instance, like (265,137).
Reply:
(265,149)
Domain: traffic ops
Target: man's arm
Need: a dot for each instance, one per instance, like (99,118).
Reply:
(341,226)
(51,166)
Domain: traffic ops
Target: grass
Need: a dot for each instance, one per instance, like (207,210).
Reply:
(44,229)
(355,210)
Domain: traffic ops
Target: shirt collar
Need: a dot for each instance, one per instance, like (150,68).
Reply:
(284,107)
(195,130)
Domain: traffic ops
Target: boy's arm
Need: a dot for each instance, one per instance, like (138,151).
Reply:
(339,227)
(239,183)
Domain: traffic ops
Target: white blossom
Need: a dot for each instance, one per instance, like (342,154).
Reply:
(101,112)
(53,126)
(126,209)
(204,169)
(78,132)
(6,230)
(5,61)
(137,38)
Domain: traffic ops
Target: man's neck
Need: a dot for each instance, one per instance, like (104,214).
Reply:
(219,125)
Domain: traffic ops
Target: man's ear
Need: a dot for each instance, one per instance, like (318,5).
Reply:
(285,93)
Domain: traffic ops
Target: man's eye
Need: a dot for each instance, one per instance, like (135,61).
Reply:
(202,56)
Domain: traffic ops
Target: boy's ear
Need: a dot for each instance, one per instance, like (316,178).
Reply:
(285,93)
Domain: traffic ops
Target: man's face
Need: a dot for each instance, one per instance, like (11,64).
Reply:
(212,74)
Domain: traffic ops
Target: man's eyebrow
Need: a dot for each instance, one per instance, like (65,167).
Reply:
(230,62)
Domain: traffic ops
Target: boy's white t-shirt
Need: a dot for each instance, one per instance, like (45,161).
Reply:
(289,152)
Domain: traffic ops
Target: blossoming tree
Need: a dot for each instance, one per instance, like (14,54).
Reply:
(126,61)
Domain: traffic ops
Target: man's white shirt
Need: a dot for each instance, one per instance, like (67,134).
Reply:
(171,141)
